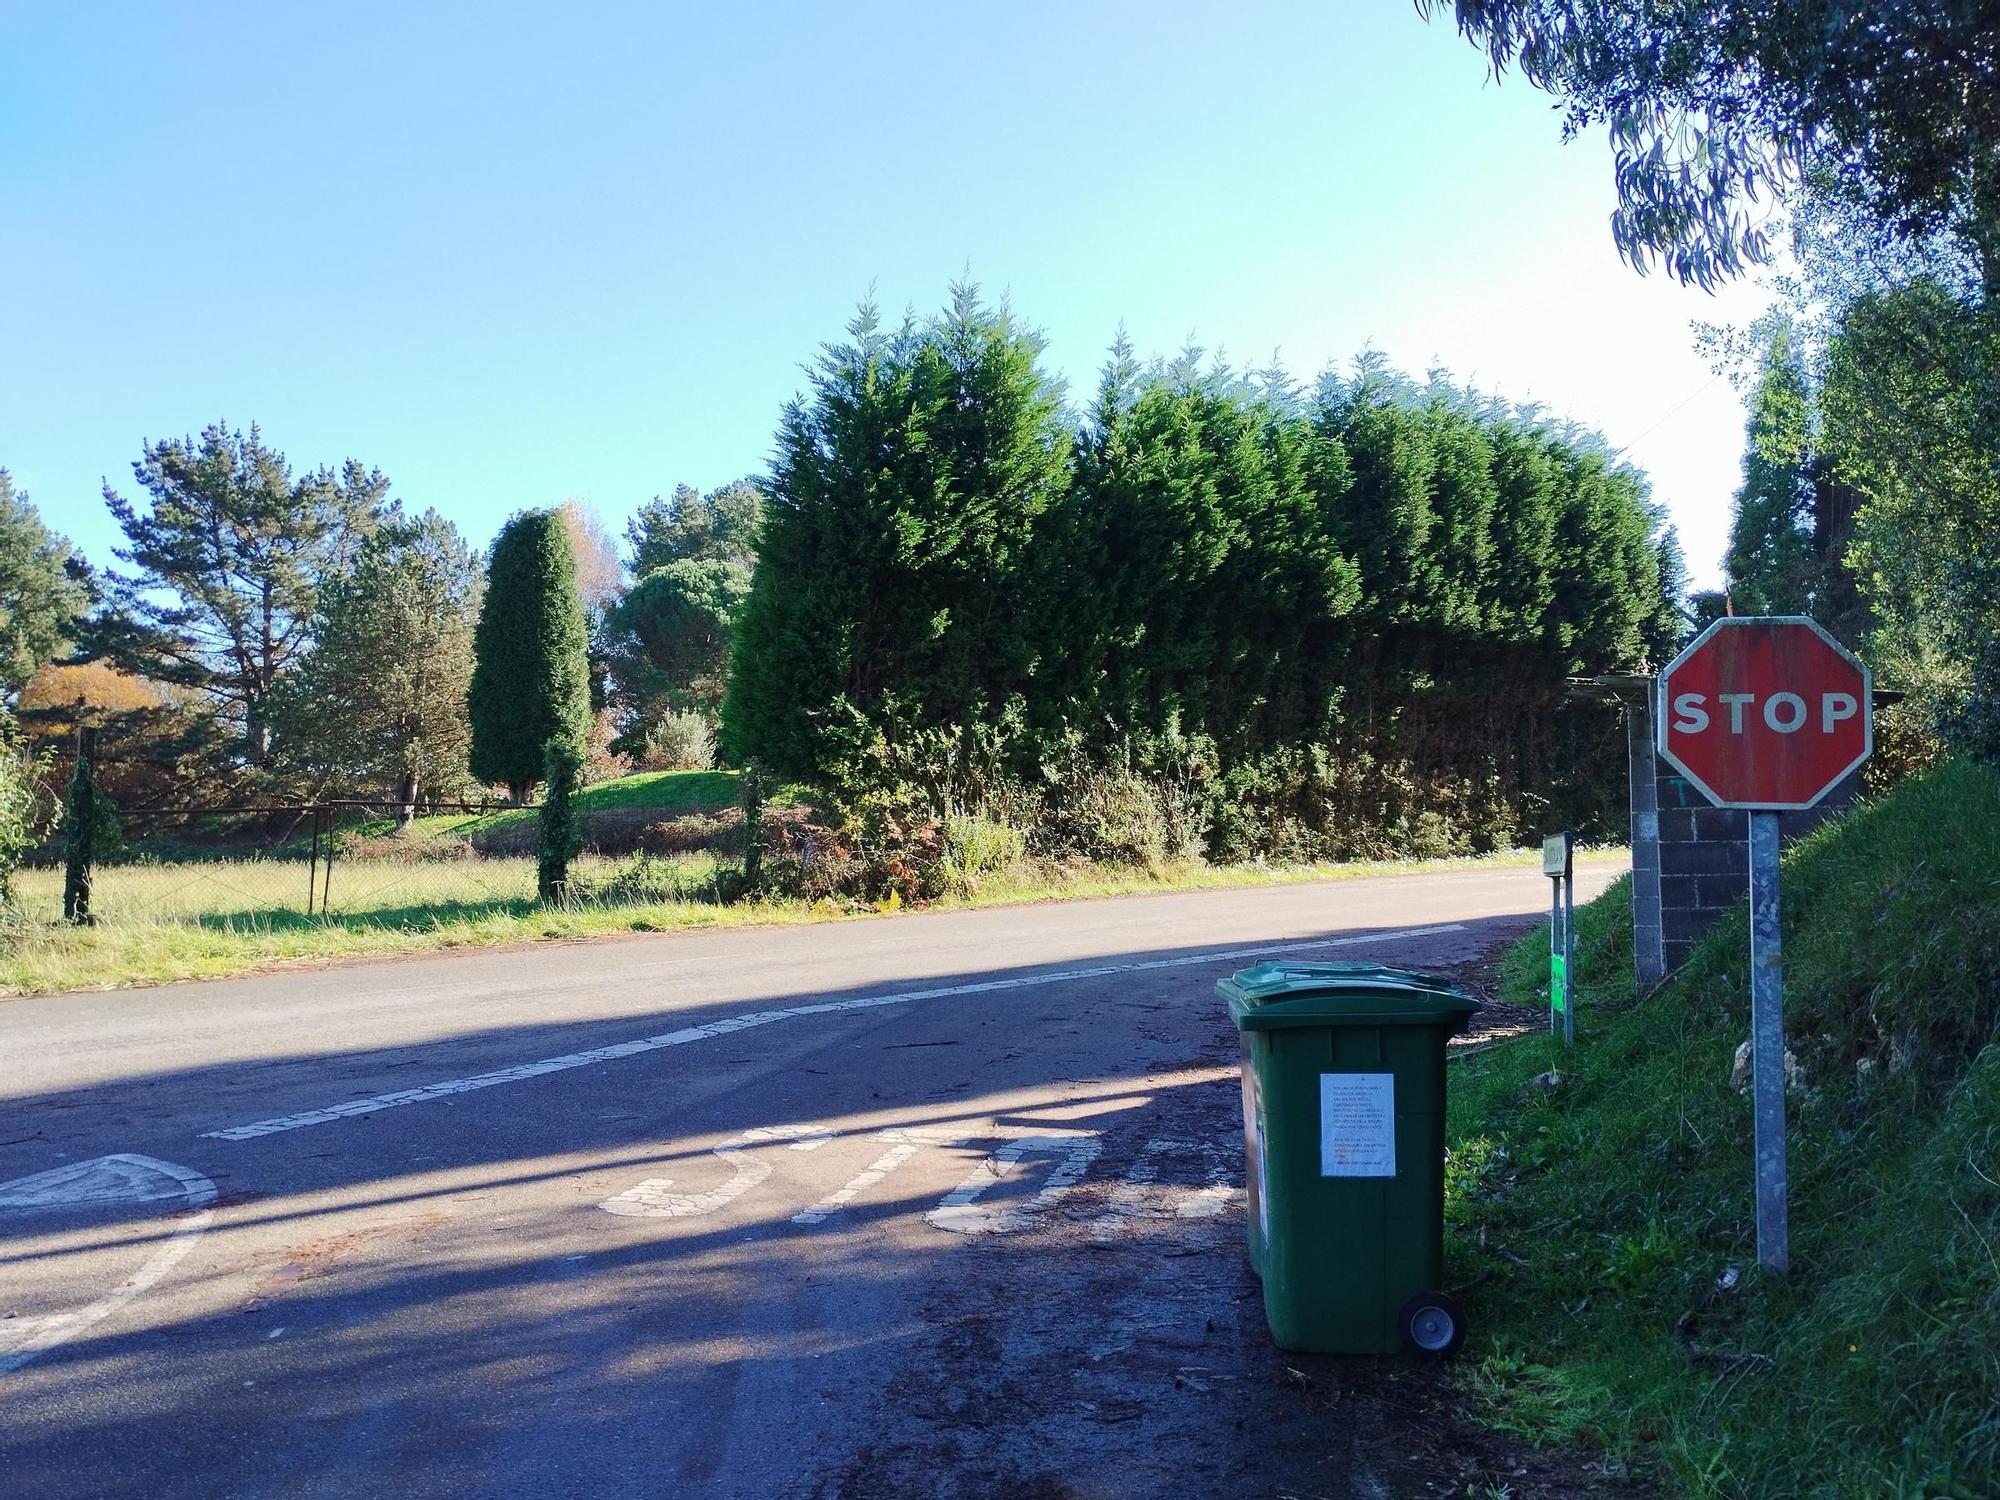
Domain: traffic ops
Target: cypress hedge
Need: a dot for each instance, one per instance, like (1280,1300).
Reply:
(1357,606)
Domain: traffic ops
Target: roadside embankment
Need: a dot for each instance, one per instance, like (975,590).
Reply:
(1600,1196)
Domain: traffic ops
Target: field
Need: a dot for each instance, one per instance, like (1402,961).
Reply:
(247,895)
(196,918)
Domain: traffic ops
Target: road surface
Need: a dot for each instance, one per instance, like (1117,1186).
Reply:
(940,1205)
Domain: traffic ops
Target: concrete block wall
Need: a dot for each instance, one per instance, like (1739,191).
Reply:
(1705,856)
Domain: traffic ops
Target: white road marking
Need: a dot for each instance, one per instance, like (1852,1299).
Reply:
(906,1144)
(121,1178)
(102,1179)
(335,1112)
(653,1200)
(1131,1198)
(961,1212)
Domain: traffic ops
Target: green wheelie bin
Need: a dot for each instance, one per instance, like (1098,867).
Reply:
(1343,1126)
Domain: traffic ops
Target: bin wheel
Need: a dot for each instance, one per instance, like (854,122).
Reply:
(1433,1324)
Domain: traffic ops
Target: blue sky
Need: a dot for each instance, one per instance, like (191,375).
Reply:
(512,254)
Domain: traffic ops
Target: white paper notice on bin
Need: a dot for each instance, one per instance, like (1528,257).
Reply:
(1357,1124)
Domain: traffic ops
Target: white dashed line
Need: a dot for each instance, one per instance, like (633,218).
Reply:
(331,1113)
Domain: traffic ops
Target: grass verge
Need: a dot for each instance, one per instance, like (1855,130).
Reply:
(211,921)
(1605,1219)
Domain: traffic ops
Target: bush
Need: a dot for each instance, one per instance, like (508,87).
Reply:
(1303,804)
(25,805)
(601,759)
(646,878)
(975,846)
(678,742)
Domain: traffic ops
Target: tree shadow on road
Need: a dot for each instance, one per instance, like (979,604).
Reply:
(428,1299)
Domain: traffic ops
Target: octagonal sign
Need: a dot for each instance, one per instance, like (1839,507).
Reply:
(1765,713)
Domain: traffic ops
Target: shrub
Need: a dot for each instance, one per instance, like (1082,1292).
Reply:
(601,759)
(976,845)
(646,878)
(25,806)
(679,741)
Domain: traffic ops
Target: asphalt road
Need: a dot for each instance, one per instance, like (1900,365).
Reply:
(938,1205)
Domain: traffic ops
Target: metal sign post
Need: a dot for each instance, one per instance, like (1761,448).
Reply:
(1767,1047)
(1558,864)
(1766,714)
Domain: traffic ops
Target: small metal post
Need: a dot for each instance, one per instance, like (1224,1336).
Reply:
(326,879)
(1557,948)
(1767,1046)
(1569,943)
(82,811)
(312,869)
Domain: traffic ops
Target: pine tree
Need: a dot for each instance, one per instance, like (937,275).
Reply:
(531,673)
(45,587)
(379,704)
(669,638)
(228,562)
(689,526)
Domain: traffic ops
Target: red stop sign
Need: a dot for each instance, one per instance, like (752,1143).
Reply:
(1767,713)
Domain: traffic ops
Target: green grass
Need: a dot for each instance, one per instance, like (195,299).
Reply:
(212,919)
(667,792)
(1595,1217)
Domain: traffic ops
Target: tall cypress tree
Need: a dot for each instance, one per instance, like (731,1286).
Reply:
(898,548)
(1770,560)
(531,671)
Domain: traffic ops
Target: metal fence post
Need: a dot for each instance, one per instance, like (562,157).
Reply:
(1557,948)
(326,875)
(312,868)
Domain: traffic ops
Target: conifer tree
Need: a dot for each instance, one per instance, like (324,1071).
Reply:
(897,553)
(531,672)
(689,526)
(228,561)
(45,587)
(1770,561)
(379,704)
(669,638)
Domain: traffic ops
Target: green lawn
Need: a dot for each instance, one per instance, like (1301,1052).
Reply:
(1603,1225)
(667,792)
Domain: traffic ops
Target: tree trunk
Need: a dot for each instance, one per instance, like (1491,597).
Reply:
(406,799)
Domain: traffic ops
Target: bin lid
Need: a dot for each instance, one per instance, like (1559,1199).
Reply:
(1274,995)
